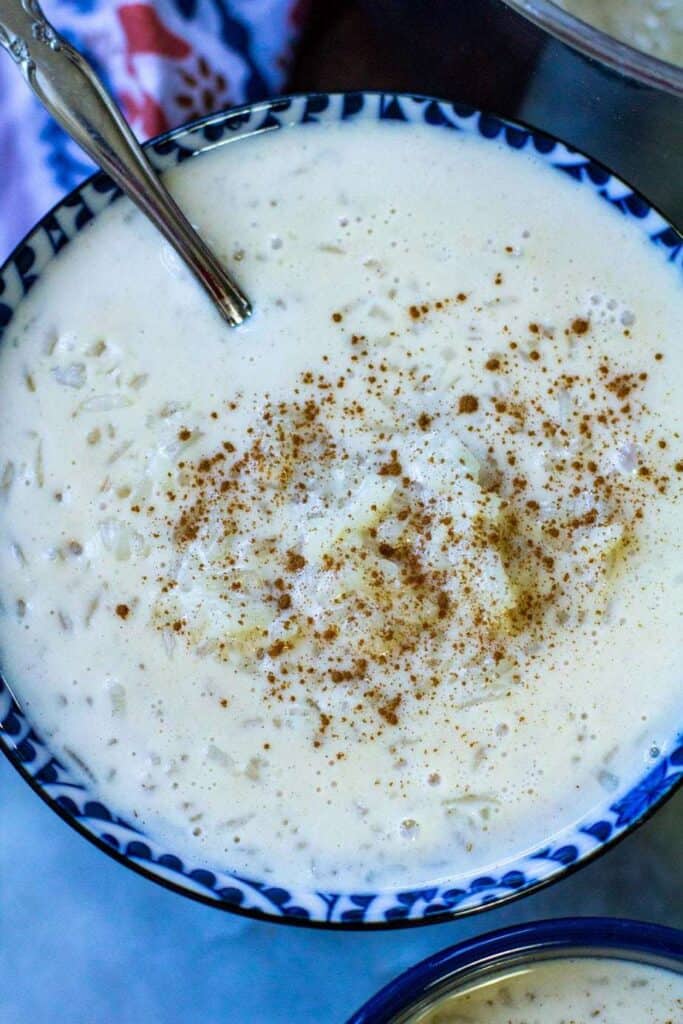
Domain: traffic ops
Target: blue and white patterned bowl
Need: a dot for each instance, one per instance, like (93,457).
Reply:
(80,806)
(510,948)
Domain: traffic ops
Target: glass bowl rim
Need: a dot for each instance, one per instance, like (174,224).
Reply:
(516,945)
(600,46)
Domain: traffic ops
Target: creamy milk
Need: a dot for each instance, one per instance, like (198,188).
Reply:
(386,584)
(654,26)
(576,991)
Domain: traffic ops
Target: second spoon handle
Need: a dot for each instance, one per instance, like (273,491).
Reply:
(70,90)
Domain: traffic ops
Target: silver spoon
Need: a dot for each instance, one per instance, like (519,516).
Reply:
(70,90)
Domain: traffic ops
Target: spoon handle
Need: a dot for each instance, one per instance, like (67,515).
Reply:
(69,89)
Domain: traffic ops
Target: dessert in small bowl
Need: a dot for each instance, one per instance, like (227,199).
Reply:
(366,613)
(639,38)
(545,972)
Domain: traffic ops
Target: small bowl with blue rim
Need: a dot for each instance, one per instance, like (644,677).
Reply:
(500,954)
(79,804)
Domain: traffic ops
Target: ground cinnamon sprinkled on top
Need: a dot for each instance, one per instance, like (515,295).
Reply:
(353,544)
(468,403)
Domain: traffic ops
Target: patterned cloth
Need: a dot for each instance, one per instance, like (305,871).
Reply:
(166,61)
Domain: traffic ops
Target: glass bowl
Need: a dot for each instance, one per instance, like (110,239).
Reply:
(480,959)
(600,46)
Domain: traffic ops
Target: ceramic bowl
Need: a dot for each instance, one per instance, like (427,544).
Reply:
(521,946)
(81,806)
(600,46)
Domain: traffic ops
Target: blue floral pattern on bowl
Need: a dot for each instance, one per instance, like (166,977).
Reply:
(78,805)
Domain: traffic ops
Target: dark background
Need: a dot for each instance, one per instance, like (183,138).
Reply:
(483,53)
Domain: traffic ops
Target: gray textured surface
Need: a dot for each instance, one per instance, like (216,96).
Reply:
(85,941)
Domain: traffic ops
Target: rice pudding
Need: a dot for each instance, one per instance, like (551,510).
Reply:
(571,991)
(384,586)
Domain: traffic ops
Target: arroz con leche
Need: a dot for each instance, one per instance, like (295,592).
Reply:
(386,585)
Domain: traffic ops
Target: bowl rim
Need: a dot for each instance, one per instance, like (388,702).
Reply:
(604,937)
(8,748)
(600,46)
